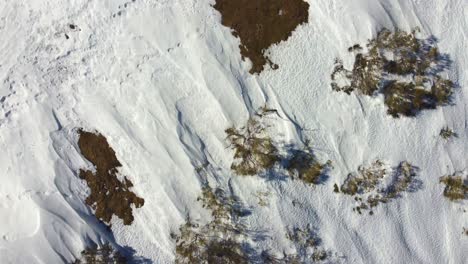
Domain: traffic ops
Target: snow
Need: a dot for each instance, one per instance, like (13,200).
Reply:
(163,79)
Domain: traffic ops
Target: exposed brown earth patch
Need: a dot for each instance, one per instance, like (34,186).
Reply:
(109,196)
(261,23)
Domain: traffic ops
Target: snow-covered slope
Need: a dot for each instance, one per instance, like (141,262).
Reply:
(163,79)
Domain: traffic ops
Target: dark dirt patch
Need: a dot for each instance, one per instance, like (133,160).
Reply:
(109,196)
(261,23)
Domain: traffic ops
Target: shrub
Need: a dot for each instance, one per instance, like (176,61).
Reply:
(366,180)
(393,56)
(308,246)
(217,241)
(456,186)
(254,150)
(303,165)
(370,186)
(103,255)
(404,98)
(447,133)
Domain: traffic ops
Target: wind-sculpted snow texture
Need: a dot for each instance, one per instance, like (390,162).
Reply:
(162,80)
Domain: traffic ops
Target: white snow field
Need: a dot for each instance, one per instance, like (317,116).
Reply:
(163,79)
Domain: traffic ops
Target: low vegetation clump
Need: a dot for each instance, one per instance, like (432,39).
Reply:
(377,183)
(405,69)
(256,152)
(108,195)
(260,24)
(456,186)
(102,255)
(447,133)
(219,241)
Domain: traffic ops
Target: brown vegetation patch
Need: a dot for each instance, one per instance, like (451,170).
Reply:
(377,184)
(261,23)
(456,186)
(402,67)
(109,196)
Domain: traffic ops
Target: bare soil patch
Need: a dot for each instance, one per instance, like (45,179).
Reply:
(109,196)
(261,23)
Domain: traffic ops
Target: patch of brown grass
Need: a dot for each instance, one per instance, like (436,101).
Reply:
(109,196)
(260,24)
